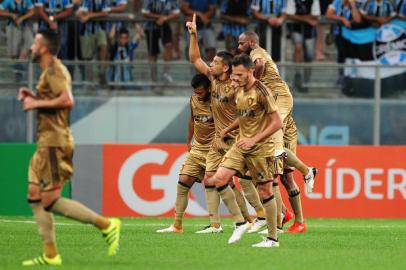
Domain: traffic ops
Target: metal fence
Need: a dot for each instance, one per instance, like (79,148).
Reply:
(325,101)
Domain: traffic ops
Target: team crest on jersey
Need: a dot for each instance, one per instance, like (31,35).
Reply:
(250,101)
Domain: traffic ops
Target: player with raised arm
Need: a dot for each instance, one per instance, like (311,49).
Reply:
(224,113)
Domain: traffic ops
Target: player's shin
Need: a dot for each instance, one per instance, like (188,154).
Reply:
(46,230)
(213,203)
(182,198)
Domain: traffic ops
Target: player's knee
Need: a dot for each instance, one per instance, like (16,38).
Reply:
(219,180)
(288,180)
(187,180)
(48,201)
(34,192)
(265,190)
(208,179)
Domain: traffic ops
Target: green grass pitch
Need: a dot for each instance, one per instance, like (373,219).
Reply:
(328,244)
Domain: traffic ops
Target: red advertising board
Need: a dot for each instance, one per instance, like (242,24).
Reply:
(352,181)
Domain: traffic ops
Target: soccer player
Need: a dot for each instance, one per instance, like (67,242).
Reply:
(201,129)
(51,165)
(286,138)
(257,119)
(224,113)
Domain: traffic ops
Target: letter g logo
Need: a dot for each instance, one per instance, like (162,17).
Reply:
(167,183)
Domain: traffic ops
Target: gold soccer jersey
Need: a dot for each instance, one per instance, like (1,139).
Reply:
(279,89)
(53,124)
(52,164)
(203,134)
(253,106)
(203,123)
(224,110)
(224,113)
(253,109)
(270,76)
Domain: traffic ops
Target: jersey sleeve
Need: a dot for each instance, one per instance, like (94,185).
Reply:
(256,54)
(268,103)
(58,82)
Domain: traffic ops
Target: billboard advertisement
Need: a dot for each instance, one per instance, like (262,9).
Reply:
(352,181)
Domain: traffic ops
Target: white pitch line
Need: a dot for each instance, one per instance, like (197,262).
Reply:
(201,225)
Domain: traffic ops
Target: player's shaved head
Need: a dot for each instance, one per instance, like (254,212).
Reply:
(251,36)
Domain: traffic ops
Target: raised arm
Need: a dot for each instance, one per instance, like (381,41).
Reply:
(194,53)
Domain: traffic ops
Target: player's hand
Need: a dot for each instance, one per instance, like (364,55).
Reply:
(29,103)
(24,92)
(246,143)
(223,133)
(191,26)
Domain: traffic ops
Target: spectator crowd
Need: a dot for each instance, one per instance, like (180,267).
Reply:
(86,32)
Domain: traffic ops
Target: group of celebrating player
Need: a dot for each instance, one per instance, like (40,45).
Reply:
(241,124)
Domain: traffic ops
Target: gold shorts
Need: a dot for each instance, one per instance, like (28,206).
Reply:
(51,167)
(290,138)
(194,165)
(285,106)
(216,154)
(290,135)
(261,168)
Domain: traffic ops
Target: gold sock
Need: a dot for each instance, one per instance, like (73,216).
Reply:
(293,161)
(251,193)
(213,203)
(182,198)
(241,203)
(278,199)
(228,197)
(77,211)
(270,210)
(50,250)
(46,229)
(295,202)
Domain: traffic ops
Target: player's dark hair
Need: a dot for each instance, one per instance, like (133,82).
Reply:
(52,40)
(227,58)
(200,80)
(243,59)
